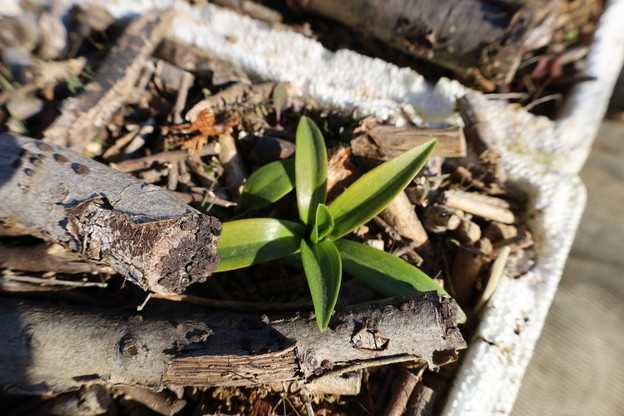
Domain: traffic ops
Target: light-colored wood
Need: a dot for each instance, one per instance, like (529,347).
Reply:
(483,206)
(386,142)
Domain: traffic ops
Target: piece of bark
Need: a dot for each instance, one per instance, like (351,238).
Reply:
(467,36)
(205,196)
(54,42)
(240,93)
(82,117)
(145,162)
(341,171)
(348,384)
(88,401)
(484,206)
(47,258)
(467,265)
(163,403)
(202,64)
(387,142)
(179,348)
(468,232)
(401,215)
(479,133)
(439,219)
(403,384)
(232,163)
(496,231)
(120,143)
(48,282)
(151,238)
(422,401)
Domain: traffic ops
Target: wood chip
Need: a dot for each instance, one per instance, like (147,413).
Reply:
(484,206)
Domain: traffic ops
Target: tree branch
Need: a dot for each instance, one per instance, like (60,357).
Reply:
(142,232)
(166,348)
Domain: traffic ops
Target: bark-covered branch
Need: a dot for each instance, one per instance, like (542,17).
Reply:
(168,348)
(150,237)
(81,117)
(489,36)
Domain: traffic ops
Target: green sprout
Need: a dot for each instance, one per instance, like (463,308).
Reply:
(318,235)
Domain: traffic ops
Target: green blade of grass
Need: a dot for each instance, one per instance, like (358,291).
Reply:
(256,240)
(268,185)
(370,194)
(384,272)
(323,270)
(323,224)
(310,169)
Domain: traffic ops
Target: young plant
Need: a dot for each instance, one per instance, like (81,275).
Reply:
(318,235)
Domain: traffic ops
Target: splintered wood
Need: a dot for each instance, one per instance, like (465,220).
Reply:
(385,142)
(82,117)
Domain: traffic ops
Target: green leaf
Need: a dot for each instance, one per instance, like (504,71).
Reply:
(370,194)
(268,185)
(323,269)
(323,224)
(256,240)
(384,272)
(310,169)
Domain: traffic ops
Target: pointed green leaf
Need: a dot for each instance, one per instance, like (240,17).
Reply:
(268,185)
(384,272)
(323,269)
(256,240)
(310,169)
(370,194)
(323,224)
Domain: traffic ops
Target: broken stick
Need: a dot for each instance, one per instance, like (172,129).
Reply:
(83,116)
(180,348)
(402,386)
(401,215)
(142,232)
(386,142)
(484,206)
(240,93)
(46,258)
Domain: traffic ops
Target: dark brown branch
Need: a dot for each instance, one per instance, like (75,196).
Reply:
(83,116)
(464,35)
(179,348)
(402,387)
(150,237)
(422,401)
